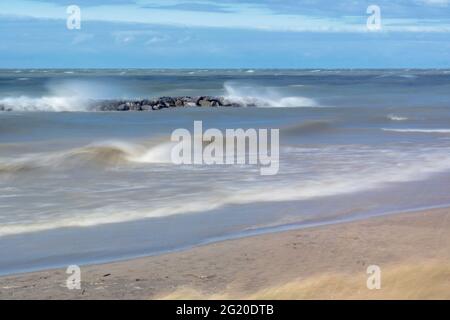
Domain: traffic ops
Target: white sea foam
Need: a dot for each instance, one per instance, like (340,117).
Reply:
(68,95)
(412,130)
(263,97)
(393,117)
(50,103)
(160,153)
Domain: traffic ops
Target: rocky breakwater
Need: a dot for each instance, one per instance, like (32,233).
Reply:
(163,103)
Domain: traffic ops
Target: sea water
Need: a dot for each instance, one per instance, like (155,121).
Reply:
(78,186)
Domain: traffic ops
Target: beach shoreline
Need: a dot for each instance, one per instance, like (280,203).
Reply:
(324,262)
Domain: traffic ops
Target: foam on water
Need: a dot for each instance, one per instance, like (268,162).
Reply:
(264,97)
(62,96)
(394,117)
(417,130)
(24,103)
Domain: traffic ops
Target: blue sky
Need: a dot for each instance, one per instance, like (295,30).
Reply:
(224,34)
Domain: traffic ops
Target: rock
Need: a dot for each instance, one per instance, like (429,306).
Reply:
(204,103)
(179,103)
(208,102)
(123,107)
(167,102)
(155,104)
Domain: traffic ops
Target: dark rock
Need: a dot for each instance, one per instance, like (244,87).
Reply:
(156,104)
(123,107)
(167,102)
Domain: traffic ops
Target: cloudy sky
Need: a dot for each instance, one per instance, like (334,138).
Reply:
(225,34)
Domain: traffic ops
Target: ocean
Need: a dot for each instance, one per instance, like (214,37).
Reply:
(79,186)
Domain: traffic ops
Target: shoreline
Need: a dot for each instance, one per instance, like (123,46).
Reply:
(247,233)
(240,268)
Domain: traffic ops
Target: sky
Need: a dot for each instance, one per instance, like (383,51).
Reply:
(224,34)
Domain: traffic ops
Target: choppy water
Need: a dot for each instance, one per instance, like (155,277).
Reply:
(88,186)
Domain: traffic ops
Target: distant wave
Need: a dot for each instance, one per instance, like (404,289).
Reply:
(398,75)
(262,97)
(418,130)
(393,117)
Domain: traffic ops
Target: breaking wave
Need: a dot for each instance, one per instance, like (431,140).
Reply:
(418,130)
(393,117)
(61,96)
(263,97)
(109,153)
(24,103)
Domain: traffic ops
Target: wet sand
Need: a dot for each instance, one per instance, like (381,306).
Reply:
(327,262)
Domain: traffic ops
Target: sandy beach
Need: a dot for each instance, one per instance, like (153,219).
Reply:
(328,262)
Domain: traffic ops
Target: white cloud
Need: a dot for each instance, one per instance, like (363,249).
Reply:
(145,37)
(441,3)
(253,18)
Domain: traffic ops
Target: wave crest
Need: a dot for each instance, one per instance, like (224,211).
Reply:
(411,130)
(109,153)
(261,97)
(394,117)
(54,103)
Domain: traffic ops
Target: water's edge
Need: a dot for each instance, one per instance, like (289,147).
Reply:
(235,236)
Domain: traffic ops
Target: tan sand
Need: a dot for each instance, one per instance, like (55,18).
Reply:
(329,262)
